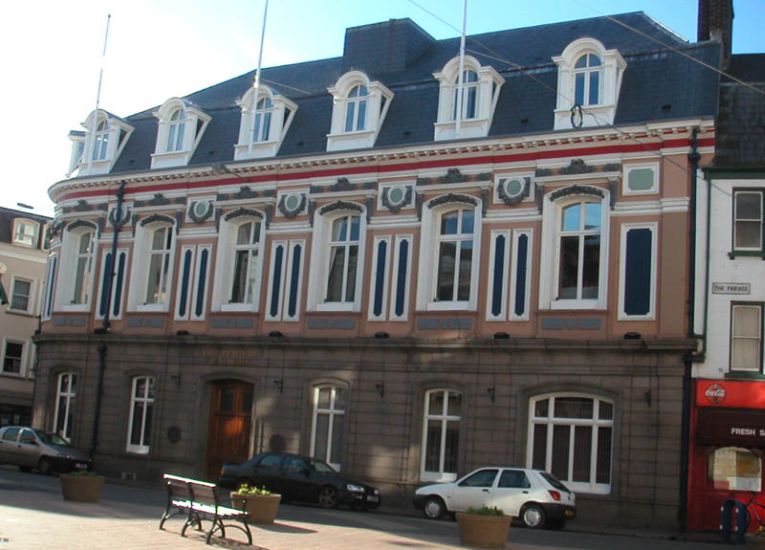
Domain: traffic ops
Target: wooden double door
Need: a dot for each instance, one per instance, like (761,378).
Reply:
(230,430)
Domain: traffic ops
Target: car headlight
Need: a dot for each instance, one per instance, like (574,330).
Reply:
(354,488)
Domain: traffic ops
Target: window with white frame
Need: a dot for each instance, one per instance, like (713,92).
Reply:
(158,282)
(151,274)
(245,268)
(589,80)
(454,255)
(264,123)
(66,393)
(141,409)
(637,271)
(97,149)
(328,424)
(746,337)
(356,109)
(75,284)
(101,141)
(83,268)
(343,255)
(25,232)
(21,295)
(13,357)
(570,436)
(181,127)
(748,224)
(441,435)
(175,131)
(473,97)
(261,126)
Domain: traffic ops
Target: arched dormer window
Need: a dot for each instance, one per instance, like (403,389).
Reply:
(97,149)
(589,77)
(264,123)
(478,96)
(181,127)
(360,107)
(78,259)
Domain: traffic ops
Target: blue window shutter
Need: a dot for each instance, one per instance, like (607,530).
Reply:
(382,252)
(498,283)
(520,275)
(185,275)
(637,272)
(201,283)
(105,283)
(403,258)
(51,285)
(276,281)
(117,306)
(297,253)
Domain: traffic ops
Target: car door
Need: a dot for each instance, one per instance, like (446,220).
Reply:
(9,446)
(512,490)
(28,448)
(298,482)
(473,491)
(268,472)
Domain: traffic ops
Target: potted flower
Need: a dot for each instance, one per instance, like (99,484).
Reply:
(82,486)
(260,504)
(484,527)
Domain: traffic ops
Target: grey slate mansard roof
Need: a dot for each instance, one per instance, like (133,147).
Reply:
(658,84)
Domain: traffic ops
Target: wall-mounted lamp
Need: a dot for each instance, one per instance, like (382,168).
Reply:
(492,393)
(177,379)
(380,387)
(279,383)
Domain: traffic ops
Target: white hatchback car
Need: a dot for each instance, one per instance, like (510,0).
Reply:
(534,496)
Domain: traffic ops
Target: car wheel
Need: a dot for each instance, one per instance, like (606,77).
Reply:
(434,508)
(533,516)
(328,497)
(45,466)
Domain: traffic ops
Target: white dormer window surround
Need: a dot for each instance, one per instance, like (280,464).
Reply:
(181,127)
(264,123)
(359,110)
(25,232)
(151,276)
(479,95)
(77,271)
(589,78)
(239,267)
(450,247)
(575,229)
(95,151)
(335,281)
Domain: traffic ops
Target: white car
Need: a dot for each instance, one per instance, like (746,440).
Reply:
(534,496)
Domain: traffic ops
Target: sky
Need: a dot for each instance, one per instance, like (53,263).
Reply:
(158,49)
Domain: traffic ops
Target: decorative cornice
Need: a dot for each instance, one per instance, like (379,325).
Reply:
(396,207)
(340,205)
(511,201)
(453,198)
(453,175)
(117,222)
(159,200)
(245,192)
(577,167)
(576,190)
(157,218)
(240,212)
(291,213)
(200,219)
(84,206)
(81,223)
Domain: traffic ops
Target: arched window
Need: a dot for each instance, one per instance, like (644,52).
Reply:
(158,282)
(343,259)
(441,435)
(101,140)
(83,268)
(261,125)
(244,271)
(141,410)
(328,424)
(587,78)
(570,436)
(455,255)
(176,130)
(66,391)
(356,109)
(579,251)
(469,96)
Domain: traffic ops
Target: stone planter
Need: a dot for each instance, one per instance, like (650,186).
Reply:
(81,488)
(483,531)
(259,508)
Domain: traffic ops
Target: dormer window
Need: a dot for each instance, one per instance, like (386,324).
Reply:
(360,107)
(474,100)
(264,123)
(589,80)
(25,232)
(181,127)
(97,149)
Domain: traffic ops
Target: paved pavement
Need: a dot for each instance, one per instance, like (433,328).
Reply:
(34,516)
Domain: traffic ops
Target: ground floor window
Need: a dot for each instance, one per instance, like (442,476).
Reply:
(328,422)
(441,434)
(570,435)
(66,391)
(141,408)
(735,469)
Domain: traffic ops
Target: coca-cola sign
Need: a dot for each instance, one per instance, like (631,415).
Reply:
(715,393)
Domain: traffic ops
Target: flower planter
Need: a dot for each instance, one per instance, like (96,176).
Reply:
(81,488)
(483,531)
(259,508)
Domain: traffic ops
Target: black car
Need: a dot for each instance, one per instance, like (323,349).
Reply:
(300,478)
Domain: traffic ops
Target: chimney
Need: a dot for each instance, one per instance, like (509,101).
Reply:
(716,23)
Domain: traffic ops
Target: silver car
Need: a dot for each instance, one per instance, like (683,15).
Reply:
(30,448)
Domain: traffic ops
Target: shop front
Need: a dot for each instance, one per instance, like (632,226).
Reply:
(727,448)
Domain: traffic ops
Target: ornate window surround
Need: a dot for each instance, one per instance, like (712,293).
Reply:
(70,241)
(139,272)
(193,132)
(282,113)
(118,133)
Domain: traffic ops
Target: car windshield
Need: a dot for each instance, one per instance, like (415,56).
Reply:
(52,439)
(552,480)
(322,467)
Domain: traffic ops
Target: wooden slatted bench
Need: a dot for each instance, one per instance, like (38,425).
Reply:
(197,500)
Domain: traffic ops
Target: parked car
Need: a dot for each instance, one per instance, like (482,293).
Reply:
(300,478)
(534,496)
(30,448)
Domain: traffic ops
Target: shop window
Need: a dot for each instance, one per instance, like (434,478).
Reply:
(328,422)
(441,434)
(734,469)
(66,391)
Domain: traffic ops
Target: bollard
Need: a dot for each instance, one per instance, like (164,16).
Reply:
(726,522)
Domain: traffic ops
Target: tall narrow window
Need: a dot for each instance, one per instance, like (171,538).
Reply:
(400,290)
(261,125)
(441,434)
(579,251)
(50,285)
(587,77)
(176,130)
(469,96)
(746,337)
(328,421)
(455,256)
(748,224)
(245,268)
(13,355)
(83,269)
(66,391)
(141,408)
(101,141)
(356,109)
(159,266)
(570,436)
(343,258)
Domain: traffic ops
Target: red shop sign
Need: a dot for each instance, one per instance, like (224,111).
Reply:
(730,394)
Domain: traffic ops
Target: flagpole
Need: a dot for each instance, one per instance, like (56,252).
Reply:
(256,85)
(460,77)
(94,125)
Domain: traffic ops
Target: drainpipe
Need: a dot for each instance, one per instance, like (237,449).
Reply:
(688,358)
(103,349)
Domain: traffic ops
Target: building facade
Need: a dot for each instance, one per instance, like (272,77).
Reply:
(402,269)
(23,257)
